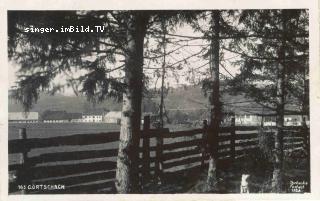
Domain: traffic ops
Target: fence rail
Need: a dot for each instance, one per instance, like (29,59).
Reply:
(161,153)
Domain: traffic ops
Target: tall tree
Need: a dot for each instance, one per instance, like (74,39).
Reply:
(214,99)
(273,45)
(127,167)
(220,29)
(163,74)
(280,104)
(44,56)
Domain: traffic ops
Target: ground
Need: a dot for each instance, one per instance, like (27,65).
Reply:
(229,178)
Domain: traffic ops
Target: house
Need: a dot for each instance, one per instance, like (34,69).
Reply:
(269,120)
(112,117)
(55,117)
(248,119)
(93,116)
(22,117)
(248,112)
(75,117)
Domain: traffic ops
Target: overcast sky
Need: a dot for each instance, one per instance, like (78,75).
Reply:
(196,66)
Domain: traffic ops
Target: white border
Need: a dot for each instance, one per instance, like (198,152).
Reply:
(312,5)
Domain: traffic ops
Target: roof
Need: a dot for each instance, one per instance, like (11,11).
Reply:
(113,114)
(55,115)
(95,112)
(74,115)
(239,104)
(23,116)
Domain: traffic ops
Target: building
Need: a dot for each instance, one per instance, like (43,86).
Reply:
(55,117)
(112,117)
(248,112)
(289,120)
(22,117)
(93,117)
(268,120)
(75,117)
(248,119)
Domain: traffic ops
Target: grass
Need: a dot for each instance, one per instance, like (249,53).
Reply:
(294,169)
(46,130)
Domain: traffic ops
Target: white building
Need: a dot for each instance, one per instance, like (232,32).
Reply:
(21,117)
(268,120)
(247,119)
(112,117)
(92,117)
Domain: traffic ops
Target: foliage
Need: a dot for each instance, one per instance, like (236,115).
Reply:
(98,57)
(260,47)
(42,57)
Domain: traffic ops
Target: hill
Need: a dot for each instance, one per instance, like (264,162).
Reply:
(61,102)
(189,97)
(186,98)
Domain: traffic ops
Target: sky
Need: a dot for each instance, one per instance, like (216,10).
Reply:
(194,70)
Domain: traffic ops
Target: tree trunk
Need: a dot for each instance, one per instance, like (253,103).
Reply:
(127,177)
(214,103)
(277,177)
(163,76)
(159,140)
(278,154)
(305,99)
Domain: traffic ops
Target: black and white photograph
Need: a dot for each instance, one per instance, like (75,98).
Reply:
(158,101)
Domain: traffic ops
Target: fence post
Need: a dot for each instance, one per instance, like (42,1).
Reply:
(146,150)
(159,161)
(203,147)
(23,173)
(306,141)
(233,138)
(305,134)
(262,121)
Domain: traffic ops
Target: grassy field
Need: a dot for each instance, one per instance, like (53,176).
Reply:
(46,130)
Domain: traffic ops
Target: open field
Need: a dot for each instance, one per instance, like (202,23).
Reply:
(44,130)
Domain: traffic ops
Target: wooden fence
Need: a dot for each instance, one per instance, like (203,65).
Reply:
(162,154)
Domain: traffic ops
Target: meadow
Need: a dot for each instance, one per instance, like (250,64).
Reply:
(44,130)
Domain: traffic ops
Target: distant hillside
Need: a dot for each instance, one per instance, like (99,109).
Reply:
(178,98)
(68,103)
(181,98)
(190,97)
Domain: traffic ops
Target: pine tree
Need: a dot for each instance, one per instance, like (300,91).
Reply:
(273,45)
(44,56)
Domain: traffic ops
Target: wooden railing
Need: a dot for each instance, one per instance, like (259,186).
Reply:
(32,171)
(162,153)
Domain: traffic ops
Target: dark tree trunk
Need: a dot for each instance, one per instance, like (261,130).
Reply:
(277,177)
(214,102)
(163,77)
(305,98)
(127,177)
(159,140)
(278,154)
